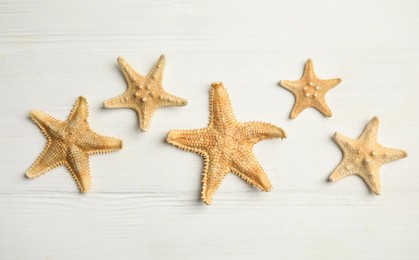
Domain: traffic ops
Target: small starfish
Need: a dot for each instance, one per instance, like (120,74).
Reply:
(310,91)
(226,145)
(144,94)
(70,143)
(364,156)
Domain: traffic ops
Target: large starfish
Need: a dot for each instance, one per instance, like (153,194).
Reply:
(364,156)
(226,145)
(70,143)
(144,94)
(310,91)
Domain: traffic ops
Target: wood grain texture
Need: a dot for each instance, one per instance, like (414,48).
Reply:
(51,52)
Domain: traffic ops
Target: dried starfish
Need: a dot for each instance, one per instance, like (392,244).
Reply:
(144,94)
(70,143)
(226,145)
(310,91)
(364,156)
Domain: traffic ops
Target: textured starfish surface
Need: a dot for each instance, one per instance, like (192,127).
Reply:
(70,143)
(226,145)
(310,91)
(144,94)
(364,156)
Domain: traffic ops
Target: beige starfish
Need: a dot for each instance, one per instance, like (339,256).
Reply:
(144,94)
(310,91)
(364,156)
(226,145)
(70,143)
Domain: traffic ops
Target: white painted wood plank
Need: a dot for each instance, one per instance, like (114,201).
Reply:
(145,198)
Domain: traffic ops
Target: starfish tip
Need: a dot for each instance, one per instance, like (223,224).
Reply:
(332,179)
(29,175)
(84,191)
(217,84)
(171,136)
(162,57)
(35,115)
(120,59)
(81,98)
(267,189)
(376,191)
(107,104)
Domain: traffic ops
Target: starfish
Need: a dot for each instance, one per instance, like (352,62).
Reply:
(310,91)
(364,156)
(144,94)
(70,143)
(226,145)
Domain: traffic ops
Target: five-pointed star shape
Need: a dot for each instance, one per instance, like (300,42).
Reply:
(226,145)
(144,94)
(70,143)
(364,156)
(310,91)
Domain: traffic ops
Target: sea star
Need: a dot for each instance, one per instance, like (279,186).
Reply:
(70,143)
(226,145)
(364,156)
(144,94)
(310,91)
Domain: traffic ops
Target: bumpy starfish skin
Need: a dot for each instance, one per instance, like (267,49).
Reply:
(70,143)
(310,91)
(364,156)
(226,145)
(144,94)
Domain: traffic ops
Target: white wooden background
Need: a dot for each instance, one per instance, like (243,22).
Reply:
(144,202)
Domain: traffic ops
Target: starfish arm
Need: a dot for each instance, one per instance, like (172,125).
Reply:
(330,83)
(391,154)
(322,107)
(78,165)
(94,143)
(49,126)
(130,74)
(145,112)
(292,85)
(248,168)
(198,141)
(221,112)
(78,116)
(52,156)
(213,174)
(122,101)
(342,170)
(299,107)
(371,130)
(169,100)
(309,73)
(156,73)
(258,131)
(345,143)
(371,176)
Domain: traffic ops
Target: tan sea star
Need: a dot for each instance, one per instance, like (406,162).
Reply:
(144,94)
(70,143)
(310,91)
(226,145)
(364,156)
